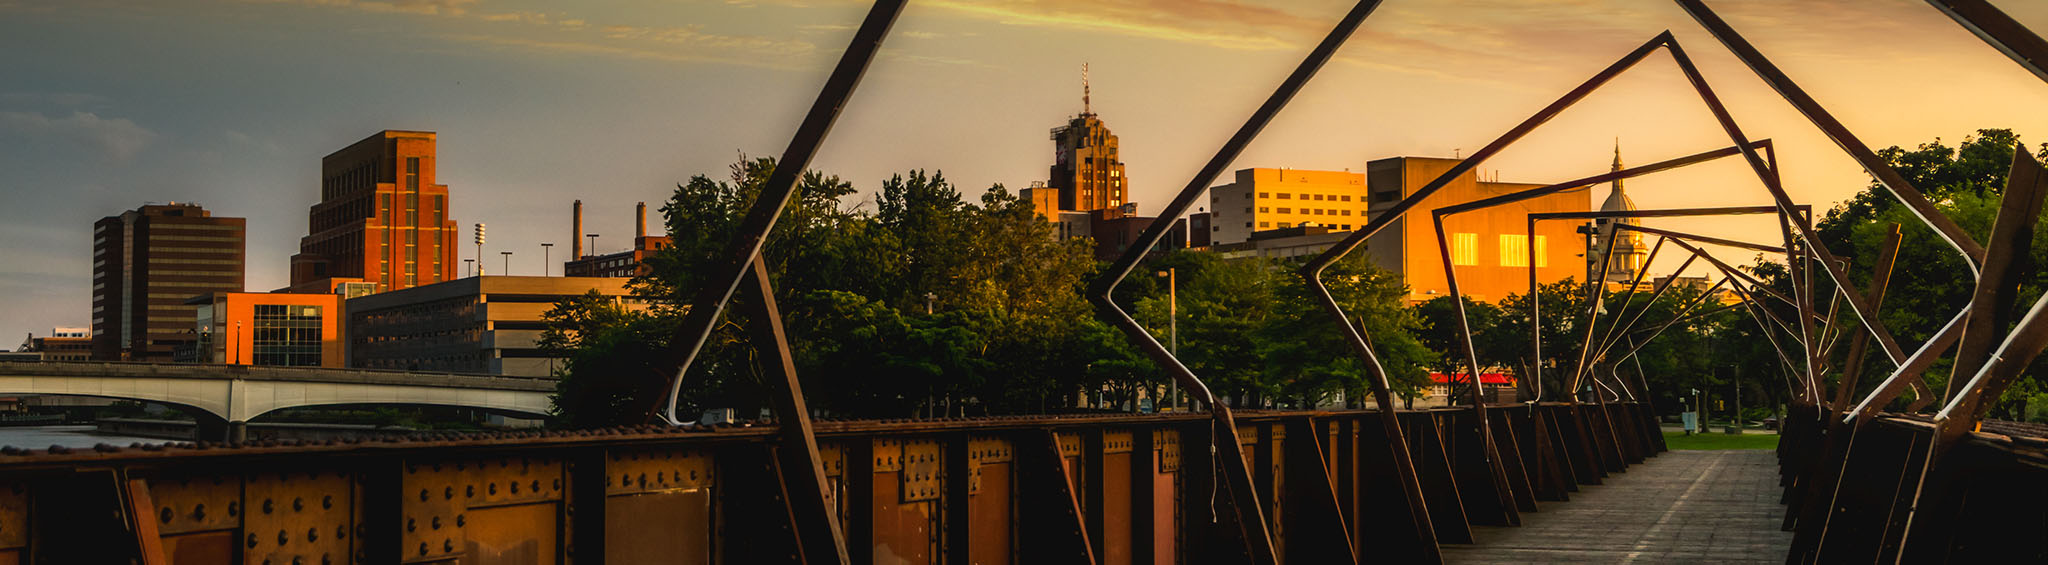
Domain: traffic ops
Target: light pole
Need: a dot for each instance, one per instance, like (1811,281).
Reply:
(1172,330)
(545,269)
(235,345)
(590,250)
(928,303)
(469,266)
(508,262)
(479,249)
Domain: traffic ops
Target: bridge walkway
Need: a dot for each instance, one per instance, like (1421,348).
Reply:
(1680,506)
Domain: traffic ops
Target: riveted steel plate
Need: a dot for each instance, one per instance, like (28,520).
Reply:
(921,478)
(989,449)
(436,497)
(668,470)
(833,459)
(514,480)
(297,517)
(194,504)
(1070,445)
(1167,442)
(888,455)
(1116,441)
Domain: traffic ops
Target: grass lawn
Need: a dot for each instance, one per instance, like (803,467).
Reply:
(1717,440)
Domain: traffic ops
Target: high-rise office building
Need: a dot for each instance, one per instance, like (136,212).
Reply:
(146,263)
(382,219)
(1086,173)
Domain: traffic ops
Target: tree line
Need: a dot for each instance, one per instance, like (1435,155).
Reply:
(921,302)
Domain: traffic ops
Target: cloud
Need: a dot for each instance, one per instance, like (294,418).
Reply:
(117,139)
(61,99)
(1220,23)
(422,7)
(561,32)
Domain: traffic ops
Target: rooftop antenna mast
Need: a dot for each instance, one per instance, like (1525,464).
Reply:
(1085,111)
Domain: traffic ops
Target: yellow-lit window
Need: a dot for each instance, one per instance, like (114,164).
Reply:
(1514,250)
(1542,253)
(1464,249)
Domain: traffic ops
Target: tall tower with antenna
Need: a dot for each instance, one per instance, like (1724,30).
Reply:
(1085,168)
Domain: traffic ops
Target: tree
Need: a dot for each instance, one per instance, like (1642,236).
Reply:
(1306,354)
(1929,281)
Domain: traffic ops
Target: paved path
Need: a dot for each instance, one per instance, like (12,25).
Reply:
(1680,506)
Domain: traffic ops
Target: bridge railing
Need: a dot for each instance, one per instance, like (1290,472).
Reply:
(1038,489)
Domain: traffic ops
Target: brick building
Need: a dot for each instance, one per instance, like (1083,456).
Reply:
(382,219)
(146,263)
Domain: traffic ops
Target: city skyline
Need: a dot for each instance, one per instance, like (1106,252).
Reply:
(231,104)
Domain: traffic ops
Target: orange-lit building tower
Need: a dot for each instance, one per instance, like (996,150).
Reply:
(1086,173)
(382,219)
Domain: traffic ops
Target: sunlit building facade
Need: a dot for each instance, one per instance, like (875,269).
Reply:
(382,218)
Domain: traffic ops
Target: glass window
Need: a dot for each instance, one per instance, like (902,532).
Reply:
(1265,195)
(412,173)
(1286,210)
(1514,250)
(1263,209)
(1284,196)
(1542,253)
(1344,198)
(1464,249)
(286,335)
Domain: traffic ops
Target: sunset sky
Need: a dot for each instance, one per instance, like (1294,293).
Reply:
(105,104)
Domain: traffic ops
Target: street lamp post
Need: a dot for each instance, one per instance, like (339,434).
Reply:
(235,345)
(1172,330)
(469,266)
(928,303)
(508,262)
(545,250)
(590,250)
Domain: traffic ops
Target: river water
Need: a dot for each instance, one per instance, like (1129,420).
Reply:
(77,436)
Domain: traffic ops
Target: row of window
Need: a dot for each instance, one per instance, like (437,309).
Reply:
(1308,211)
(1307,196)
(1514,250)
(1285,225)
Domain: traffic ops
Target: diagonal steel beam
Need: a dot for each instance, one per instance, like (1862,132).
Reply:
(803,472)
(1252,518)
(1880,281)
(1914,200)
(1999,30)
(781,187)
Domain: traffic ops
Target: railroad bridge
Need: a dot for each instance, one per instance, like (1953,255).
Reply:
(1866,471)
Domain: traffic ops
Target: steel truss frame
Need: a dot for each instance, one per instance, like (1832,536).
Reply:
(1963,408)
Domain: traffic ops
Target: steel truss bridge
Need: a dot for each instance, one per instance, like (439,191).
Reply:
(1868,476)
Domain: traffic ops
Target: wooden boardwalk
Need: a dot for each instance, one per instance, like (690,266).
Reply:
(1677,507)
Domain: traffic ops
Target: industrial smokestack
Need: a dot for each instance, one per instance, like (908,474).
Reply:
(576,232)
(639,221)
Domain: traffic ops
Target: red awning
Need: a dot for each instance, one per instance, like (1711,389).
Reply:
(1488,378)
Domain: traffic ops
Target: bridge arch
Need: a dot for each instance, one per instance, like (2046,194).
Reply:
(237,394)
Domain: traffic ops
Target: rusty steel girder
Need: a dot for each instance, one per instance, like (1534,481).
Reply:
(1046,489)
